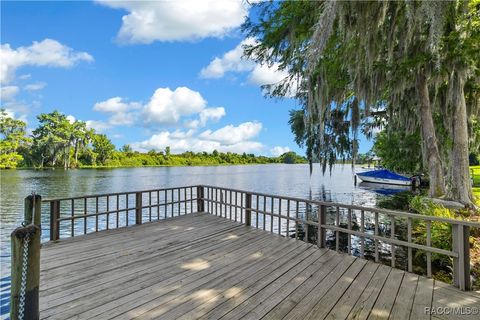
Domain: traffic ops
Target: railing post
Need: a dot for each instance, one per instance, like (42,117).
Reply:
(461,265)
(200,199)
(54,223)
(322,218)
(138,208)
(32,262)
(248,211)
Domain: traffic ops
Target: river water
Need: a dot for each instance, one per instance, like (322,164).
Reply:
(280,179)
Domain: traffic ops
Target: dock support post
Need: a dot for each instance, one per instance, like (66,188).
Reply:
(54,223)
(248,211)
(32,263)
(200,199)
(461,265)
(138,208)
(322,218)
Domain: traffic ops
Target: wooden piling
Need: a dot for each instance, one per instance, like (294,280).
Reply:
(18,236)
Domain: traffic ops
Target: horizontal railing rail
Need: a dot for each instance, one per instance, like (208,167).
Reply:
(348,228)
(385,236)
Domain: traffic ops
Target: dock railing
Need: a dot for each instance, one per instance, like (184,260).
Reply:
(370,233)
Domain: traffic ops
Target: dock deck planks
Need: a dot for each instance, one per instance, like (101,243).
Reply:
(200,266)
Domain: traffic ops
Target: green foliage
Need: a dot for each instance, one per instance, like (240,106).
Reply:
(291,157)
(398,201)
(12,134)
(473,159)
(126,149)
(103,147)
(399,151)
(441,233)
(341,77)
(58,142)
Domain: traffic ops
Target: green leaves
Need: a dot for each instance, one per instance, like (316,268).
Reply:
(12,133)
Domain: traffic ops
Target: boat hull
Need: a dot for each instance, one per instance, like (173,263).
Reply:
(384,180)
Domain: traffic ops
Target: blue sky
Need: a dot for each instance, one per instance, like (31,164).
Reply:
(146,74)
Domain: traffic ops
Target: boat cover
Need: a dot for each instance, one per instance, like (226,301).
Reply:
(383,174)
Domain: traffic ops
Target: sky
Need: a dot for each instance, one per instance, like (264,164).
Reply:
(148,74)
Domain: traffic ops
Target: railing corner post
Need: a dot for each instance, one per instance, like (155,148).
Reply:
(54,223)
(461,265)
(138,208)
(200,199)
(248,211)
(322,218)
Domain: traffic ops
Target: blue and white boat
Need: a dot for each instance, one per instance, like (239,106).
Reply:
(384,176)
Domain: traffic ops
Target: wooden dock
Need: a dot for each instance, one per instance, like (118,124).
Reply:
(202,266)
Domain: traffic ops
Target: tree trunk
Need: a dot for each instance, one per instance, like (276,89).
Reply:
(429,139)
(76,152)
(461,186)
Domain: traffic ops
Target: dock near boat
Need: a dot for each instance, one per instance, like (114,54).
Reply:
(205,252)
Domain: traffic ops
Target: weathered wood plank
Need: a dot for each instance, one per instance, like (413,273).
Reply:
(404,301)
(302,260)
(457,305)
(338,264)
(146,270)
(423,299)
(345,304)
(177,272)
(201,266)
(322,302)
(384,303)
(365,303)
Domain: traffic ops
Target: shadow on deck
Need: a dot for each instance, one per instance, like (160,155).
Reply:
(200,266)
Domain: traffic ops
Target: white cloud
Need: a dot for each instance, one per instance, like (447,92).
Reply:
(230,134)
(8,93)
(208,114)
(25,76)
(71,118)
(35,86)
(99,126)
(231,61)
(120,111)
(47,52)
(181,141)
(263,74)
(167,106)
(278,150)
(151,21)
(115,105)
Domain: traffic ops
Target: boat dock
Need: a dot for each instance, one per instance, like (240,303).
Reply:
(205,252)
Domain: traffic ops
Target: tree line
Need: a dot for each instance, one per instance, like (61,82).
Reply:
(410,68)
(62,142)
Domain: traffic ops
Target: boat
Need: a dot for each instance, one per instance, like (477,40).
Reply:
(384,189)
(384,176)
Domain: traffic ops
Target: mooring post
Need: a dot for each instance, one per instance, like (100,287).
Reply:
(54,223)
(25,242)
(248,211)
(138,208)
(461,265)
(322,218)
(200,199)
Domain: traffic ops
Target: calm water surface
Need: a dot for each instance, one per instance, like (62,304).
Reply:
(290,180)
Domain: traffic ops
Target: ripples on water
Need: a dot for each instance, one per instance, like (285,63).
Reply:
(279,179)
